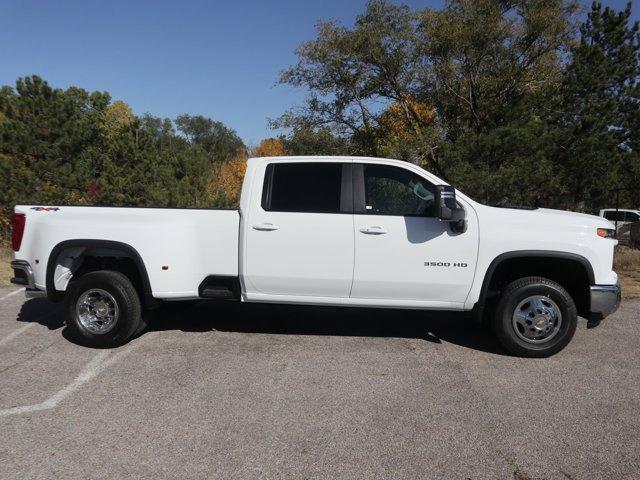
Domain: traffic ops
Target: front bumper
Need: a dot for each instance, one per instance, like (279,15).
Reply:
(605,300)
(23,275)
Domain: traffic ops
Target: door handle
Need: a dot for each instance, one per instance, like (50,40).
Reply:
(373,230)
(267,227)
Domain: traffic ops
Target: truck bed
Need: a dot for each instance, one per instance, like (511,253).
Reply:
(179,247)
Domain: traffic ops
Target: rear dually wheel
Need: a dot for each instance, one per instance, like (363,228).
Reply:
(102,309)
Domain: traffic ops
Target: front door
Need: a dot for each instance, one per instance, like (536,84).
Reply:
(300,238)
(403,252)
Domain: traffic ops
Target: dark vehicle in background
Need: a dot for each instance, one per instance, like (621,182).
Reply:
(634,235)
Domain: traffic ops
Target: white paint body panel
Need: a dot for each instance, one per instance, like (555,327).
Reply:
(279,262)
(314,258)
(191,243)
(310,254)
(397,265)
(504,230)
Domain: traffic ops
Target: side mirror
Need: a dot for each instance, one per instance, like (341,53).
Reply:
(447,208)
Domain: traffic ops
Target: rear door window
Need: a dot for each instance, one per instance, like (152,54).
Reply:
(631,217)
(303,187)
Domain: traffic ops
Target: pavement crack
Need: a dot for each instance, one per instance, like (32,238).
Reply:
(565,474)
(518,474)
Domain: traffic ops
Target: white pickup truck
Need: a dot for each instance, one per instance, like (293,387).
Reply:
(345,231)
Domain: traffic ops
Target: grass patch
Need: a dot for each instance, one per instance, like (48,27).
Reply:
(626,262)
(6,256)
(630,285)
(626,259)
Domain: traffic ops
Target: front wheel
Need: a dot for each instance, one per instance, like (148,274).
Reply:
(535,317)
(102,309)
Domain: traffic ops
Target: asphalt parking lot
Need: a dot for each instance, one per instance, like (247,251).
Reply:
(268,392)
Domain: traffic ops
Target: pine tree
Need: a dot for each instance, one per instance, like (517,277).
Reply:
(599,149)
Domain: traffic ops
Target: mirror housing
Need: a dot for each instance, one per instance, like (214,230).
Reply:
(447,208)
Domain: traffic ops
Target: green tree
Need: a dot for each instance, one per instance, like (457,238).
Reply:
(147,164)
(46,139)
(214,137)
(487,68)
(347,72)
(599,110)
(75,147)
(316,141)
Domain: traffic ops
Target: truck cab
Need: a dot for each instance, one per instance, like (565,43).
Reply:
(349,232)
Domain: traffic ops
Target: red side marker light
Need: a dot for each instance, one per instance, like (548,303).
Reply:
(18,220)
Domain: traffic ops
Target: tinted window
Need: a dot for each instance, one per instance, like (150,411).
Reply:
(396,191)
(614,216)
(631,217)
(304,187)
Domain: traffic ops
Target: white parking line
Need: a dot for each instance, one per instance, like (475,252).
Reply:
(15,292)
(23,329)
(97,364)
(17,332)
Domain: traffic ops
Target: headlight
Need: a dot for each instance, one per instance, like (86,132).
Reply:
(606,232)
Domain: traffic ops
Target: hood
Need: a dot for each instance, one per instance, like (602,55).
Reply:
(549,217)
(584,219)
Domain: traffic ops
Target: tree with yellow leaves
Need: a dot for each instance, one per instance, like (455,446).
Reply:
(114,120)
(270,147)
(225,182)
(407,129)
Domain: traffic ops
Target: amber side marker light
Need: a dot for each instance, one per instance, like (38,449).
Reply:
(606,232)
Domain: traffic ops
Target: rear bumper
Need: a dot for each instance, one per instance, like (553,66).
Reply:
(605,300)
(23,275)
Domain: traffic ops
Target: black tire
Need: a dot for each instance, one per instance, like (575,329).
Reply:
(128,322)
(518,291)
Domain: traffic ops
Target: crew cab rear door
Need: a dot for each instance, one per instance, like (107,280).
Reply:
(299,231)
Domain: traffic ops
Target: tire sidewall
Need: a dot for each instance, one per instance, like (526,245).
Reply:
(506,309)
(126,323)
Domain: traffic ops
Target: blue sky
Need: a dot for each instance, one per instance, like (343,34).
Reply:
(216,58)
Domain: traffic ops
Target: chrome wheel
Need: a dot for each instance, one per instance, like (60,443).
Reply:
(97,311)
(537,319)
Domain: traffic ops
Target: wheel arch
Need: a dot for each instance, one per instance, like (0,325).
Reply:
(544,257)
(127,250)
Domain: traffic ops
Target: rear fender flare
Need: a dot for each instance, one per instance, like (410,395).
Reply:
(130,252)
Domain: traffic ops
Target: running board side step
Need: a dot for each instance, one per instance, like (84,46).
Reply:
(219,287)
